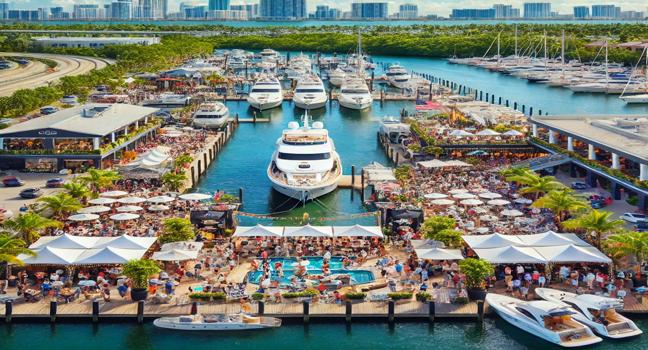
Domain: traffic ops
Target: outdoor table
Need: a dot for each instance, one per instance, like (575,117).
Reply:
(67,294)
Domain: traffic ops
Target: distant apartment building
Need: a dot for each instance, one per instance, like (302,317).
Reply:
(150,9)
(503,11)
(638,15)
(581,12)
(195,12)
(326,12)
(408,11)
(4,10)
(473,13)
(24,15)
(282,9)
(68,41)
(227,15)
(87,11)
(251,10)
(122,9)
(537,10)
(219,5)
(369,10)
(606,12)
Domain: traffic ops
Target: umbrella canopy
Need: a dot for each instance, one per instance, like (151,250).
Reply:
(511,255)
(308,231)
(552,239)
(523,201)
(158,207)
(495,240)
(87,283)
(161,199)
(439,254)
(471,202)
(124,216)
(435,196)
(51,256)
(131,200)
(488,218)
(512,133)
(512,212)
(111,255)
(458,190)
(357,231)
(498,202)
(488,132)
(94,209)
(460,133)
(83,217)
(113,194)
(258,231)
(102,200)
(175,255)
(464,196)
(442,202)
(195,196)
(128,208)
(490,195)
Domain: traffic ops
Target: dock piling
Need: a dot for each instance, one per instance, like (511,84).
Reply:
(306,312)
(362,186)
(530,111)
(241,195)
(95,311)
(480,310)
(8,310)
(391,307)
(194,308)
(348,311)
(431,310)
(52,312)
(261,308)
(140,311)
(352,175)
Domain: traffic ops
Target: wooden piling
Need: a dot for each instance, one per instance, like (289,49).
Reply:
(352,175)
(261,308)
(95,311)
(306,311)
(348,311)
(140,311)
(431,310)
(52,311)
(8,310)
(240,191)
(391,307)
(480,310)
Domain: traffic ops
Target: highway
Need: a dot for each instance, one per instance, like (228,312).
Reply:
(37,74)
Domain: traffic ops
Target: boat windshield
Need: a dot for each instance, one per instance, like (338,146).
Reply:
(208,116)
(354,91)
(264,90)
(309,90)
(308,156)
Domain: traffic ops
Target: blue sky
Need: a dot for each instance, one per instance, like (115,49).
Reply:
(440,7)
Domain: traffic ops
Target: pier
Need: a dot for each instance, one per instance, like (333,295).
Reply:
(205,157)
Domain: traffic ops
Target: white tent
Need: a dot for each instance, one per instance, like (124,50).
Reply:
(442,202)
(426,244)
(102,200)
(195,196)
(258,231)
(128,242)
(439,254)
(124,217)
(573,254)
(490,195)
(109,255)
(308,231)
(357,231)
(129,208)
(471,202)
(83,217)
(434,163)
(435,196)
(131,200)
(113,194)
(51,256)
(175,255)
(460,133)
(183,245)
(512,133)
(94,209)
(65,241)
(495,240)
(551,239)
(161,199)
(455,162)
(511,255)
(488,132)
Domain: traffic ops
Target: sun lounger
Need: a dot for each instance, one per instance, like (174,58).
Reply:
(378,297)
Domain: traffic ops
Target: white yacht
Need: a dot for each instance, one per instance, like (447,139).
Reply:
(337,77)
(639,98)
(217,322)
(298,66)
(266,93)
(269,55)
(548,320)
(305,164)
(310,92)
(355,94)
(398,76)
(167,100)
(210,115)
(597,312)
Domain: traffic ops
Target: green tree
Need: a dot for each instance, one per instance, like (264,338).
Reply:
(177,230)
(450,238)
(433,226)
(28,226)
(560,202)
(596,221)
(60,204)
(99,179)
(476,272)
(183,160)
(629,244)
(541,185)
(10,248)
(77,190)
(173,181)
(139,271)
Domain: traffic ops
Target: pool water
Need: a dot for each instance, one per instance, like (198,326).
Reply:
(314,268)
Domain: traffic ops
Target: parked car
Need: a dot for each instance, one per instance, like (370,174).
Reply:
(12,181)
(48,110)
(634,217)
(598,202)
(32,192)
(641,226)
(579,186)
(69,100)
(55,182)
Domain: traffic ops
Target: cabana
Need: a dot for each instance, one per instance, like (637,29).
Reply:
(258,231)
(439,254)
(511,255)
(357,231)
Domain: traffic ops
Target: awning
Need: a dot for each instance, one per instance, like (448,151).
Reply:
(439,254)
(357,231)
(258,231)
(511,255)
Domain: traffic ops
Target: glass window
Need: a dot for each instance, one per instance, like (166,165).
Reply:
(310,156)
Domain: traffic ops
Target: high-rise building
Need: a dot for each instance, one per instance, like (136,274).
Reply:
(537,10)
(369,10)
(503,11)
(4,10)
(473,13)
(122,9)
(219,5)
(150,9)
(251,10)
(196,12)
(581,12)
(282,9)
(24,15)
(86,11)
(637,15)
(326,12)
(605,11)
(408,11)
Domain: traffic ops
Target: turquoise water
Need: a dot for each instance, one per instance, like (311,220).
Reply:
(357,276)
(314,267)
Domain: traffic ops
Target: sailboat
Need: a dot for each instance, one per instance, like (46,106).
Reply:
(638,98)
(355,93)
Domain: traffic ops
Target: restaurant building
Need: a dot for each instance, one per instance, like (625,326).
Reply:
(77,138)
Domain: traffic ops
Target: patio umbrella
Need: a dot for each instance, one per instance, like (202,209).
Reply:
(512,133)
(127,208)
(94,209)
(471,202)
(57,284)
(83,217)
(523,201)
(102,200)
(158,207)
(161,199)
(124,216)
(512,212)
(490,195)
(87,283)
(481,230)
(131,200)
(488,132)
(464,196)
(458,190)
(435,196)
(488,218)
(442,202)
(498,202)
(113,194)
(195,196)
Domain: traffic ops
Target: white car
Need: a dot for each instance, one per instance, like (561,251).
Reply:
(634,218)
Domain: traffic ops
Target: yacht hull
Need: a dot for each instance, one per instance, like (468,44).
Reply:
(264,104)
(352,104)
(310,104)
(635,98)
(304,195)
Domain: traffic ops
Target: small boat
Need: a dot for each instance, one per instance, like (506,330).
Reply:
(217,322)
(355,94)
(639,98)
(548,320)
(266,93)
(211,115)
(310,93)
(337,77)
(168,100)
(597,312)
(398,76)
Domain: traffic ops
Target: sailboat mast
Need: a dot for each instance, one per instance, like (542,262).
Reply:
(545,51)
(516,40)
(606,62)
(562,52)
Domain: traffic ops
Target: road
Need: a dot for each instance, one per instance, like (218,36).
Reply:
(37,74)
(9,196)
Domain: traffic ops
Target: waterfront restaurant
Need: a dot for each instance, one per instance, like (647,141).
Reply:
(90,135)
(611,151)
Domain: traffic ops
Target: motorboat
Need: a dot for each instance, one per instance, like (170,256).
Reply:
(168,100)
(638,98)
(548,320)
(310,92)
(355,94)
(305,164)
(337,77)
(266,93)
(217,322)
(269,55)
(597,312)
(211,115)
(394,130)
(397,76)
(298,66)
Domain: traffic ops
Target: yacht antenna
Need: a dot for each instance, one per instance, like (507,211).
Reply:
(305,120)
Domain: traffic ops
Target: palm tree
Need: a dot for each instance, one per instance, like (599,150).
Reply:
(596,221)
(511,173)
(60,204)
(560,202)
(99,179)
(10,248)
(629,243)
(541,185)
(28,226)
(173,181)
(77,190)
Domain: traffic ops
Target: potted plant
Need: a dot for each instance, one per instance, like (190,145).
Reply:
(139,271)
(476,272)
(400,296)
(355,297)
(423,297)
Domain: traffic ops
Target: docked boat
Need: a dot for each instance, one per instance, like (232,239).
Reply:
(355,94)
(397,76)
(337,77)
(269,55)
(310,93)
(211,115)
(596,312)
(168,100)
(266,93)
(217,322)
(639,98)
(548,320)
(305,164)
(394,130)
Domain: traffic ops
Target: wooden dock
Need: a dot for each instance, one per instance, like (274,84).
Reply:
(347,181)
(253,120)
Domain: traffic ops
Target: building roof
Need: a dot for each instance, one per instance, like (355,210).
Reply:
(90,120)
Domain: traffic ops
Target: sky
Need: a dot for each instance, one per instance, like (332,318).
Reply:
(438,7)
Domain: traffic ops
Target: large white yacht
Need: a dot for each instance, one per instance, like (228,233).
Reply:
(266,93)
(548,320)
(168,99)
(210,115)
(305,164)
(398,76)
(597,312)
(310,93)
(337,77)
(269,55)
(355,94)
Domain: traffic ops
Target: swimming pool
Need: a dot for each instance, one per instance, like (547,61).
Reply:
(314,268)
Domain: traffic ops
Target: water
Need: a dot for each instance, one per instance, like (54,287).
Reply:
(314,267)
(494,334)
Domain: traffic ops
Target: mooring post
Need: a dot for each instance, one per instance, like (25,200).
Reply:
(53,311)
(8,310)
(261,308)
(523,109)
(254,117)
(140,311)
(499,101)
(480,310)
(515,106)
(95,311)
(306,312)
(431,310)
(390,311)
(194,308)
(352,175)
(241,195)
(237,118)
(530,111)
(349,311)
(362,185)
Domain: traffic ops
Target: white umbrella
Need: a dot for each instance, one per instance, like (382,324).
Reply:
(127,208)
(460,133)
(488,218)
(102,200)
(94,209)
(471,202)
(124,216)
(512,133)
(488,132)
(512,212)
(498,202)
(161,199)
(158,207)
(131,200)
(435,196)
(113,194)
(464,196)
(87,283)
(481,230)
(458,190)
(523,201)
(83,217)
(195,196)
(442,202)
(490,195)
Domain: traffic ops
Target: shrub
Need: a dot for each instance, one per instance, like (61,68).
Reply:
(309,293)
(207,296)
(476,271)
(461,300)
(355,296)
(257,296)
(423,296)
(400,295)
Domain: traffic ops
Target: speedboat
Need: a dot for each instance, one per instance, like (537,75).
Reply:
(355,94)
(310,93)
(217,322)
(305,164)
(398,76)
(597,312)
(337,77)
(639,98)
(269,55)
(393,130)
(211,115)
(168,100)
(266,93)
(548,320)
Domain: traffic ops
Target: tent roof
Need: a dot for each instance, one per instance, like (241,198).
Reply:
(511,255)
(258,231)
(357,231)
(109,255)
(308,231)
(175,255)
(495,240)
(573,254)
(439,254)
(65,241)
(550,239)
(128,242)
(51,256)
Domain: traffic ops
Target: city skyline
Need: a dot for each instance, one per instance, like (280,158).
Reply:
(441,7)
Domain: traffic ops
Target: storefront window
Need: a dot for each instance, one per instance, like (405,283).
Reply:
(73,145)
(41,165)
(23,144)
(78,165)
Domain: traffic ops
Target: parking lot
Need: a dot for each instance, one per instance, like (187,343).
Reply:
(9,196)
